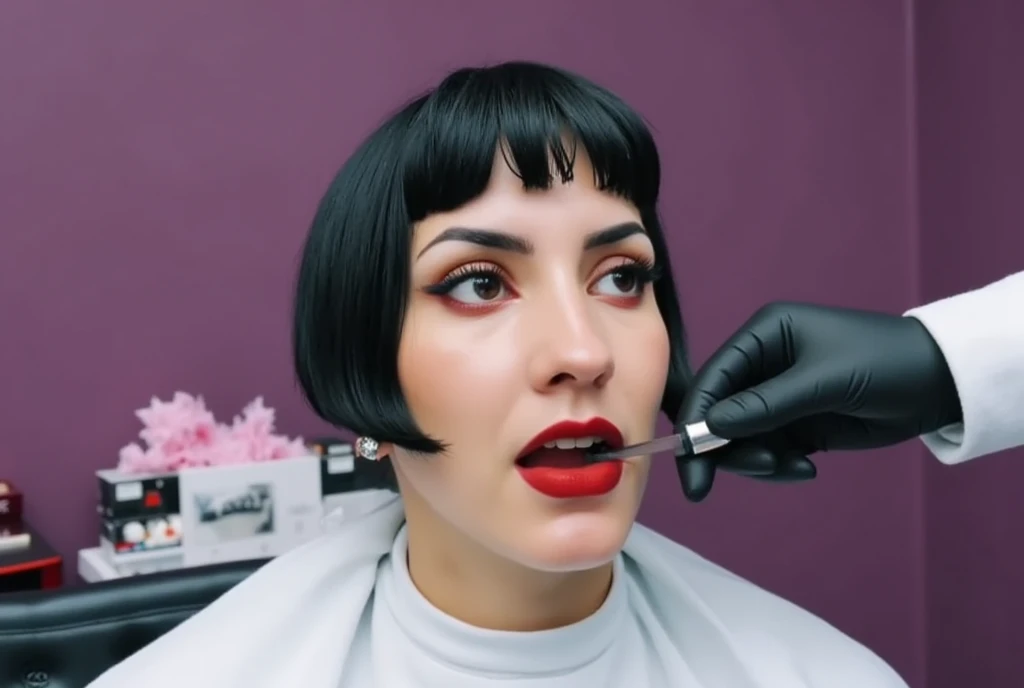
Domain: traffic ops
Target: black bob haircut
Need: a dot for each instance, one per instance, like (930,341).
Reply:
(435,155)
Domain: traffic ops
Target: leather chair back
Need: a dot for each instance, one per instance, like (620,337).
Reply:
(67,637)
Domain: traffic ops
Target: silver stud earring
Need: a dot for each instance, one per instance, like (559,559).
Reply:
(367,447)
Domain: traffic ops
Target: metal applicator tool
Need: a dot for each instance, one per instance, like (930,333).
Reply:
(693,440)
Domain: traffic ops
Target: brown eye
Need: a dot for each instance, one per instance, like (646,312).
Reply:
(626,280)
(486,287)
(476,288)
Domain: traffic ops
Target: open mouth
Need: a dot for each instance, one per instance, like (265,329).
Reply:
(568,444)
(564,453)
(557,461)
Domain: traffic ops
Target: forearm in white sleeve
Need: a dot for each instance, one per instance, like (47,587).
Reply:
(981,334)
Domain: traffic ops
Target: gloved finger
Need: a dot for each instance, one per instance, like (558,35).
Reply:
(745,458)
(727,371)
(793,470)
(775,403)
(755,352)
(696,475)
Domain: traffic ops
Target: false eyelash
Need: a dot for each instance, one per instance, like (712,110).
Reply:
(460,275)
(643,269)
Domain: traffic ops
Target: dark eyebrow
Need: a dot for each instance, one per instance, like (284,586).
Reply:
(487,238)
(612,235)
(503,241)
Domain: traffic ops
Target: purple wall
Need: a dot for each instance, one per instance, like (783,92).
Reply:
(159,164)
(971,152)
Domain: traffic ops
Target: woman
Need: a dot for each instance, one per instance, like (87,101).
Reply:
(484,293)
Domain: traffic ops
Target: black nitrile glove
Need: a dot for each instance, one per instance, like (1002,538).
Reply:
(798,379)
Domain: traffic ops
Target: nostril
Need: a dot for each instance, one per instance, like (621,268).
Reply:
(560,378)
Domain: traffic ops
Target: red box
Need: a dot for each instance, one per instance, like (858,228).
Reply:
(11,503)
(36,567)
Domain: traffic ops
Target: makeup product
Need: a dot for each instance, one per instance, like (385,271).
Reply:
(142,535)
(693,440)
(132,496)
(11,504)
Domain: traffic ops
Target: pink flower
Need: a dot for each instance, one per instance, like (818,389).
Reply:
(183,433)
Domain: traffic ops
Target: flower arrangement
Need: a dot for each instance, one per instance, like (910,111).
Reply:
(183,433)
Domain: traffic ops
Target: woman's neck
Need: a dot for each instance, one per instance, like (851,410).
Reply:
(478,587)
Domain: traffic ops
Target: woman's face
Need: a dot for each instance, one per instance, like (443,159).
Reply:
(531,321)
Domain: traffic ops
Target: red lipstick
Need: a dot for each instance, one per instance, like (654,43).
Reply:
(565,473)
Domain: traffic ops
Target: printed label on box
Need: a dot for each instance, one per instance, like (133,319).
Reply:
(126,492)
(249,511)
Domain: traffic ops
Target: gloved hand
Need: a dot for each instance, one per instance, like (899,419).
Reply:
(798,379)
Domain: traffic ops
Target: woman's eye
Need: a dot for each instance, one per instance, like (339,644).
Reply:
(478,289)
(620,282)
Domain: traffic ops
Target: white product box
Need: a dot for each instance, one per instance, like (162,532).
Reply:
(101,563)
(248,511)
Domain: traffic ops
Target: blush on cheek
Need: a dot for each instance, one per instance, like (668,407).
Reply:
(426,391)
(455,379)
(643,357)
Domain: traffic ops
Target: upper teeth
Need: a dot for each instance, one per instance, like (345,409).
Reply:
(573,443)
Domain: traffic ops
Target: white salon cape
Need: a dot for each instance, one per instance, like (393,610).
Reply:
(342,612)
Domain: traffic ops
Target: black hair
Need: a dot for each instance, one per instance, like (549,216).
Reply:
(435,155)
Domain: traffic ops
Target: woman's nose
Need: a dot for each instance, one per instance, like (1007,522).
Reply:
(570,350)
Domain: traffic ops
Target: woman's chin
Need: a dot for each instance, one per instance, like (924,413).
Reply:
(574,542)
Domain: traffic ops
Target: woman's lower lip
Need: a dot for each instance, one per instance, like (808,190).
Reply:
(591,480)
